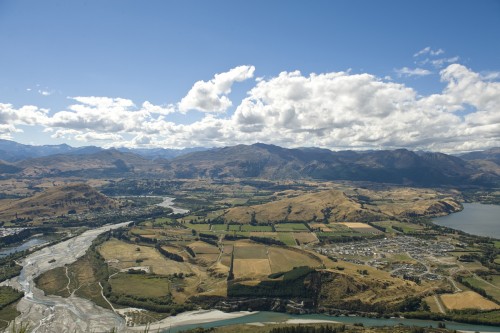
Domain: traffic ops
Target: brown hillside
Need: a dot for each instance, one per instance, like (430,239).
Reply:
(56,201)
(326,205)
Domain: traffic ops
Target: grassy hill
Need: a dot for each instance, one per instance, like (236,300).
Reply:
(337,206)
(56,201)
(328,206)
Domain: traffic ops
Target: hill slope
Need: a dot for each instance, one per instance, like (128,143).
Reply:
(55,201)
(337,206)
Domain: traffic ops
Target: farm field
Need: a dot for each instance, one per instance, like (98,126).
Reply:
(143,285)
(202,247)
(491,288)
(256,228)
(361,227)
(467,300)
(320,226)
(244,250)
(287,238)
(218,227)
(305,237)
(282,260)
(283,227)
(198,226)
(122,255)
(254,260)
(251,268)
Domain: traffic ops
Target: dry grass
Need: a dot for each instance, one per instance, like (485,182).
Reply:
(403,201)
(282,260)
(305,237)
(251,268)
(467,300)
(300,208)
(140,285)
(360,227)
(243,250)
(202,247)
(123,255)
(321,226)
(56,201)
(431,302)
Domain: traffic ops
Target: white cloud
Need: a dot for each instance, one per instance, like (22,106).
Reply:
(490,75)
(94,136)
(405,71)
(211,96)
(429,51)
(438,63)
(11,118)
(333,110)
(44,92)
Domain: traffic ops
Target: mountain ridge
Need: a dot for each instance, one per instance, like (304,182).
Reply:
(399,166)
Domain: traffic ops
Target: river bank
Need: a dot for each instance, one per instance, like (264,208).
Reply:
(53,313)
(207,319)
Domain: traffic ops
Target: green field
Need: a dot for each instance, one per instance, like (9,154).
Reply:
(219,227)
(199,227)
(234,227)
(257,228)
(140,285)
(287,238)
(493,291)
(291,227)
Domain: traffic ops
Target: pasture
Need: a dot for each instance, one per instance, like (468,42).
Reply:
(467,300)
(140,285)
(361,227)
(121,255)
(284,227)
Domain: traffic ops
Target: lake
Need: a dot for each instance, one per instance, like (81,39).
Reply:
(266,316)
(475,219)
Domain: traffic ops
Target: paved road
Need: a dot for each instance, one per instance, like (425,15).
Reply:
(53,313)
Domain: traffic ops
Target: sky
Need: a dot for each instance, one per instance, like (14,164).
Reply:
(387,74)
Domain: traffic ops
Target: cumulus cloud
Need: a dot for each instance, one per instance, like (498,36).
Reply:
(405,71)
(335,110)
(11,118)
(211,96)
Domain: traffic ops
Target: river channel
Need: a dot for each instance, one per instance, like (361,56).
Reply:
(53,313)
(275,317)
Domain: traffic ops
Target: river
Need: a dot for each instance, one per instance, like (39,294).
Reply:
(475,219)
(53,313)
(168,202)
(272,317)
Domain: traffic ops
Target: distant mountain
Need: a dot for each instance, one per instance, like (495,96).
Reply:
(153,153)
(103,163)
(11,151)
(492,154)
(399,166)
(259,160)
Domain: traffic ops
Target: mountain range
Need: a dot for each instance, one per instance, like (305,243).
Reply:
(259,160)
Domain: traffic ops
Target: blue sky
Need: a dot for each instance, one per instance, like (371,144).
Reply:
(80,72)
